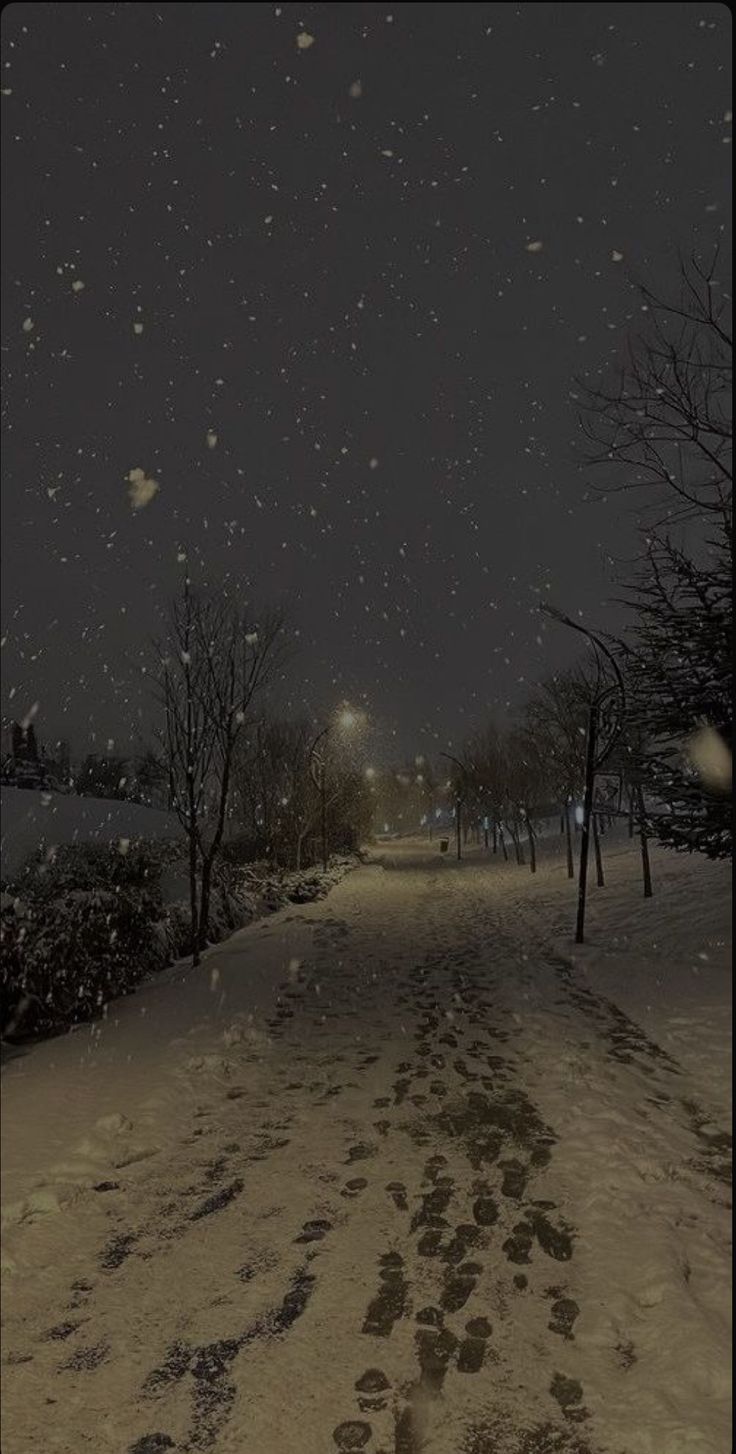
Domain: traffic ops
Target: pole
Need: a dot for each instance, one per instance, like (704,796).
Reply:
(532,846)
(458,800)
(585,836)
(601,882)
(645,864)
(318,770)
(568,842)
(323,804)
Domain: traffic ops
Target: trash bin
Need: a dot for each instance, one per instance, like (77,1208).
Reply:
(444,845)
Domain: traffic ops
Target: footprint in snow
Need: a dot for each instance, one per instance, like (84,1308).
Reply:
(473,1347)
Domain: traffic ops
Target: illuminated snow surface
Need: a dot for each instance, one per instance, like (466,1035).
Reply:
(35,820)
(396,1171)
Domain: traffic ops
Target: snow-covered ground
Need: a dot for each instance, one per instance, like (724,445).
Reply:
(33,820)
(401,1170)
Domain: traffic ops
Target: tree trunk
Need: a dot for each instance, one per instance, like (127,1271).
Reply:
(568,843)
(532,846)
(645,864)
(587,810)
(193,892)
(503,843)
(323,815)
(601,882)
(204,901)
(209,858)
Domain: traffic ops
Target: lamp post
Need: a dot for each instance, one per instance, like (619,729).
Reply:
(318,768)
(458,800)
(595,754)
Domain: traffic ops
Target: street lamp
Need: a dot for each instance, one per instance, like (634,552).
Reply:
(347,720)
(598,749)
(458,799)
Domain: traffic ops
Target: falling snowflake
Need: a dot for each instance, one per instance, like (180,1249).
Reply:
(30,714)
(534,246)
(711,758)
(304,40)
(356,90)
(28,325)
(141,489)
(211,439)
(77,285)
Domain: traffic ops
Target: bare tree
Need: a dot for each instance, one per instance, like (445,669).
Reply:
(527,786)
(679,669)
(486,776)
(214,666)
(665,425)
(188,734)
(275,789)
(556,719)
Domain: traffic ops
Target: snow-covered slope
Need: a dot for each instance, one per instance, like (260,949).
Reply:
(376,1145)
(31,820)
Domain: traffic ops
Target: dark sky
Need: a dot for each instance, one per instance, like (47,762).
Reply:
(327,245)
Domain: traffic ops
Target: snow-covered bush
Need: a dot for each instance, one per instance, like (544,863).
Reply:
(77,929)
(89,923)
(64,957)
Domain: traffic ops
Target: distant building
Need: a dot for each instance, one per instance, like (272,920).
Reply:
(27,767)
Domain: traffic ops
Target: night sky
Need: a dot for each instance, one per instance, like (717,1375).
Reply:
(327,275)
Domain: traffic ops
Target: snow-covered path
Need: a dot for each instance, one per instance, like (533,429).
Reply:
(391,1173)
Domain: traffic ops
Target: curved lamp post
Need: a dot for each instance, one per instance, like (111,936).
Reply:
(458,799)
(598,748)
(318,772)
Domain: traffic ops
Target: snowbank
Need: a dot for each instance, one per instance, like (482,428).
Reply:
(33,820)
